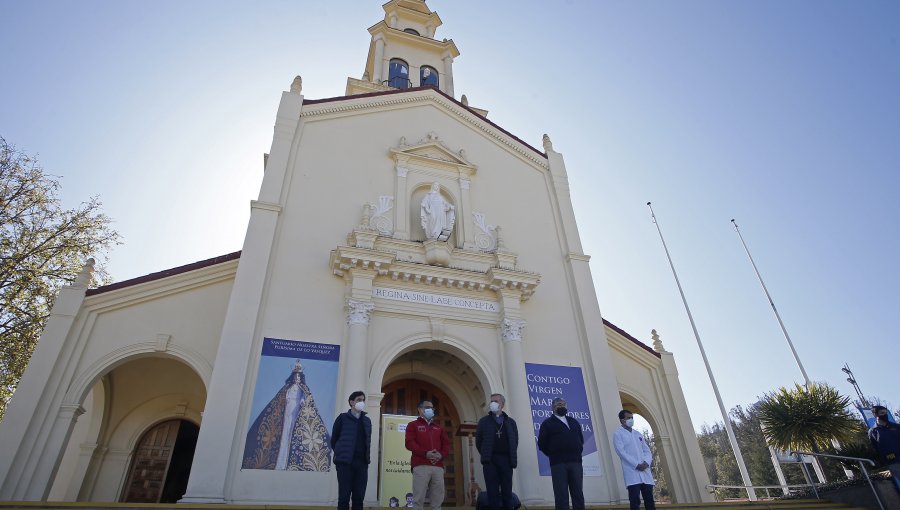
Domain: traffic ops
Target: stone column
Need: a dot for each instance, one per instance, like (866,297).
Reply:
(221,433)
(29,430)
(40,483)
(356,374)
(511,327)
(373,410)
(401,198)
(378,62)
(448,75)
(85,477)
(467,239)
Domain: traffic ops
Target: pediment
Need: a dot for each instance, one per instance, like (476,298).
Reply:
(431,148)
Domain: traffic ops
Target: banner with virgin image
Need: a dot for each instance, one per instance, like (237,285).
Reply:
(546,382)
(293,407)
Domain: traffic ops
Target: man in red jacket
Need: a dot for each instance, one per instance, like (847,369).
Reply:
(429,444)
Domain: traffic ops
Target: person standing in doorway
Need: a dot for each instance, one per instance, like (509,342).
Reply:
(560,438)
(497,440)
(636,459)
(429,445)
(351,440)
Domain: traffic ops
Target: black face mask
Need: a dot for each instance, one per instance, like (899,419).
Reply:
(561,411)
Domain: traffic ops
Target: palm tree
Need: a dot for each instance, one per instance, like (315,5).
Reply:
(806,418)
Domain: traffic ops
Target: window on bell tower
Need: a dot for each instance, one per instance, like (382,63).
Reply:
(428,76)
(398,74)
(412,31)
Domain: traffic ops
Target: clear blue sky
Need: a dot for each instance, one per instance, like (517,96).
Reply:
(783,115)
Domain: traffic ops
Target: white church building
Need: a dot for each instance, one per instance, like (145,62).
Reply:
(402,244)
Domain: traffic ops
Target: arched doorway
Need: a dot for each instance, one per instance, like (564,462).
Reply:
(402,397)
(161,463)
(647,425)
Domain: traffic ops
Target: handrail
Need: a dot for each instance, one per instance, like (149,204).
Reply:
(861,466)
(858,459)
(755,487)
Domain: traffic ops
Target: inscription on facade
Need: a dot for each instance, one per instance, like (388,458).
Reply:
(435,299)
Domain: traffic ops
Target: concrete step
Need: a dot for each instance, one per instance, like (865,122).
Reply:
(797,504)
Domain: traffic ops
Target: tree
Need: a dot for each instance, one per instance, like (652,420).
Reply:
(806,419)
(43,246)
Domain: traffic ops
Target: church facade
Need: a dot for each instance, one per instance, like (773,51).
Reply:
(401,244)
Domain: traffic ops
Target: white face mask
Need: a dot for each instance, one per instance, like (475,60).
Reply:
(360,406)
(629,422)
(429,413)
(494,407)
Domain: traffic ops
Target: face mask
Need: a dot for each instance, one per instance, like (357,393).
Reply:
(561,411)
(429,413)
(629,422)
(360,406)
(494,407)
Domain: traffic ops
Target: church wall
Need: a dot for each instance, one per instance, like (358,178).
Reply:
(330,183)
(326,189)
(135,325)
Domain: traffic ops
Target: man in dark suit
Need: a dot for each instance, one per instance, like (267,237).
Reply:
(561,439)
(497,440)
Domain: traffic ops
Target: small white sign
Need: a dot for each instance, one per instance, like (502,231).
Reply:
(436,299)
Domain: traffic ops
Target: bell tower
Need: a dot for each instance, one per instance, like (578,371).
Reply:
(404,53)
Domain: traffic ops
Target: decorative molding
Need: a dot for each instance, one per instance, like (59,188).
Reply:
(486,240)
(438,329)
(265,206)
(402,171)
(657,343)
(511,329)
(406,261)
(358,312)
(579,257)
(316,109)
(375,216)
(86,275)
(432,148)
(70,411)
(464,183)
(162,342)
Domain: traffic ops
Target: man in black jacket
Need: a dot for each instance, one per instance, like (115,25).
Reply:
(561,440)
(497,440)
(351,440)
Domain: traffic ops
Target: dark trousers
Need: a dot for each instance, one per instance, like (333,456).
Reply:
(352,479)
(634,496)
(498,476)
(568,480)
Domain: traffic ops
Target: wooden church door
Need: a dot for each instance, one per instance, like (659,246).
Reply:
(161,463)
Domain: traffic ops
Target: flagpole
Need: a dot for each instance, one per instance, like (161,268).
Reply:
(745,476)
(769,297)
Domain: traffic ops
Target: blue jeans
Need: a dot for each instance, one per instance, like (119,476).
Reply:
(568,480)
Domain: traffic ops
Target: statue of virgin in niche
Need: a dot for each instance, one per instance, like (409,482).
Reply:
(438,215)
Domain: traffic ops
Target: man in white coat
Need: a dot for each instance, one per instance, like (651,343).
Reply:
(636,459)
